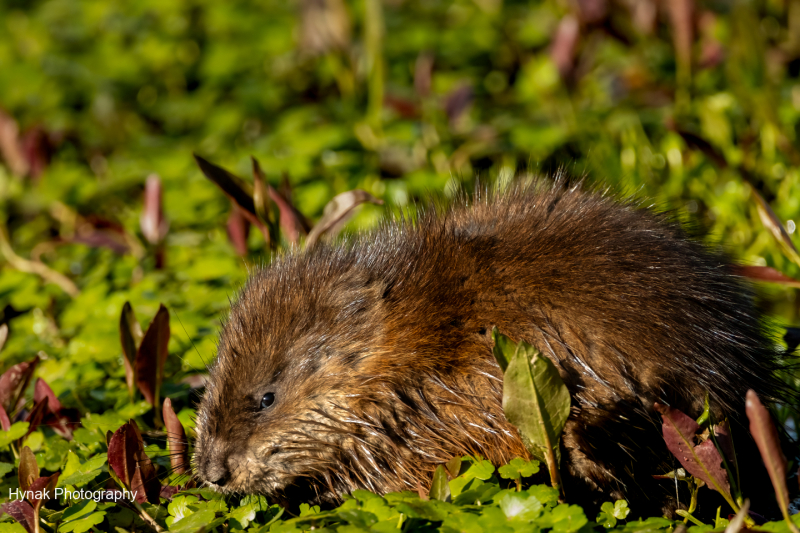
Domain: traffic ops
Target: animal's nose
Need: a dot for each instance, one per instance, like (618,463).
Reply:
(217,473)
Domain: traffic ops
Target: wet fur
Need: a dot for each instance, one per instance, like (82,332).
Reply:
(379,348)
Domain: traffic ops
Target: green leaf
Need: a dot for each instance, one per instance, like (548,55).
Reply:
(440,488)
(307,510)
(480,469)
(16,431)
(606,516)
(83,524)
(621,509)
(568,518)
(195,521)
(520,506)
(5,468)
(73,512)
(535,399)
(240,517)
(504,349)
(79,474)
(517,468)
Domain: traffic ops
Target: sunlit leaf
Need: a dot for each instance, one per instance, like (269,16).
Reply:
(337,212)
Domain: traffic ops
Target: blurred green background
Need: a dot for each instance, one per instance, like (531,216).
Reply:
(690,103)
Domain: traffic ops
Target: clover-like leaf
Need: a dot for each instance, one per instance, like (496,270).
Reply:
(517,468)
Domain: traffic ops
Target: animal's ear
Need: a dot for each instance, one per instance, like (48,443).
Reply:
(356,293)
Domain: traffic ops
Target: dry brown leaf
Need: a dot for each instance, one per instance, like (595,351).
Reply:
(337,212)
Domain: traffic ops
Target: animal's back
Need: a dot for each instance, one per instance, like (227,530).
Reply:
(630,309)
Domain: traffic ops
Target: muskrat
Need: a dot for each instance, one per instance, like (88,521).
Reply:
(364,364)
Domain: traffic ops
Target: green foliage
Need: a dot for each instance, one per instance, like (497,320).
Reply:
(536,401)
(96,96)
(611,512)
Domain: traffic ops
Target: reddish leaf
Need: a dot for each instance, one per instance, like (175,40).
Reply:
(402,106)
(64,422)
(457,102)
(565,42)
(144,482)
(238,229)
(36,415)
(154,225)
(121,453)
(592,11)
(46,486)
(131,465)
(236,189)
(769,274)
(168,491)
(681,13)
(37,149)
(176,439)
(5,422)
(263,202)
(338,211)
(775,226)
(130,335)
(102,239)
(292,220)
(702,461)
(55,416)
(28,469)
(14,382)
(151,357)
(22,512)
(42,390)
(766,437)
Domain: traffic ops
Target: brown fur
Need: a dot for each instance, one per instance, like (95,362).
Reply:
(379,352)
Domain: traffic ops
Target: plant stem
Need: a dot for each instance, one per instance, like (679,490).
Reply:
(34,267)
(373,43)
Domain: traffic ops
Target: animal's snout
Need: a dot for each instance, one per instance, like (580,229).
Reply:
(214,464)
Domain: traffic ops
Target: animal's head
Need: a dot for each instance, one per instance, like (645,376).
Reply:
(287,404)
(328,380)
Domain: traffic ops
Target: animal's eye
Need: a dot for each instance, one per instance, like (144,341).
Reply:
(267,400)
